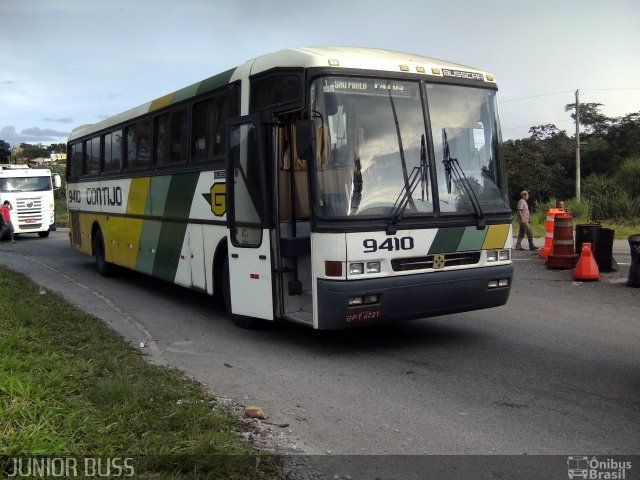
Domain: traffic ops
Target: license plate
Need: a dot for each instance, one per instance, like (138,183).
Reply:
(365,314)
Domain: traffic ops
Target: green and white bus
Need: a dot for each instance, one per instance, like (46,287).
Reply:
(326,186)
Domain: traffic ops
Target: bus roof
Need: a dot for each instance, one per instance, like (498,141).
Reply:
(306,57)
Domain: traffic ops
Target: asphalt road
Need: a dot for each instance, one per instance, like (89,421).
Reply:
(555,371)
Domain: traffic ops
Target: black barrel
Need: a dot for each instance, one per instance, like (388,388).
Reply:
(604,250)
(634,269)
(586,233)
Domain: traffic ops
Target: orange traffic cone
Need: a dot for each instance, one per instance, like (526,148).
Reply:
(587,268)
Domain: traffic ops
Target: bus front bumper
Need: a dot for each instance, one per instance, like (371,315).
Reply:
(411,296)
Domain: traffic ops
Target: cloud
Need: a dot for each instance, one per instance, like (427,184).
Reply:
(32,135)
(59,120)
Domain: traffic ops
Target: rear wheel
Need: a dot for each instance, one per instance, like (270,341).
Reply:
(241,321)
(104,268)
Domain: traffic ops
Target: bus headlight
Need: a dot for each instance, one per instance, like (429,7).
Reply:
(359,268)
(498,255)
(373,267)
(356,268)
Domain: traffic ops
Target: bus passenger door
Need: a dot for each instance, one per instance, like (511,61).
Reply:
(250,272)
(294,229)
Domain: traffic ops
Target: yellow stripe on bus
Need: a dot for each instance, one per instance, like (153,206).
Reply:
(496,236)
(138,194)
(161,102)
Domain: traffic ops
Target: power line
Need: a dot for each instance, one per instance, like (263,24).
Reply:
(535,96)
(543,123)
(568,91)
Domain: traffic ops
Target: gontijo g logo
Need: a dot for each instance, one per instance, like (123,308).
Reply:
(597,469)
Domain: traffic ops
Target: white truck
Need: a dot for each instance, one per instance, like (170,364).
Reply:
(30,191)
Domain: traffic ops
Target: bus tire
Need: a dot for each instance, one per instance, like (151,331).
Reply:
(104,268)
(241,321)
(43,234)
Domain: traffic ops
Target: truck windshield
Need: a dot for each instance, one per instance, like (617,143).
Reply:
(25,184)
(372,155)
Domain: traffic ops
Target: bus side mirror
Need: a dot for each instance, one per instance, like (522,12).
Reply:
(57,182)
(306,139)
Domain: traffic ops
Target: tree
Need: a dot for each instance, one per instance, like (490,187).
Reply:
(5,151)
(526,168)
(591,119)
(29,152)
(624,135)
(544,132)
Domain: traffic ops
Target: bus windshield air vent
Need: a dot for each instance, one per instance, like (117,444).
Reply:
(422,263)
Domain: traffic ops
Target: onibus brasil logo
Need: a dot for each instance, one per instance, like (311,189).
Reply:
(597,468)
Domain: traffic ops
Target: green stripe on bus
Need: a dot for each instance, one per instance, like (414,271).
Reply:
(472,239)
(447,240)
(148,246)
(185,93)
(180,195)
(216,81)
(169,249)
(158,196)
(172,233)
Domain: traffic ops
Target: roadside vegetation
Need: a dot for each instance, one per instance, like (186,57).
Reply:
(71,387)
(545,163)
(581,211)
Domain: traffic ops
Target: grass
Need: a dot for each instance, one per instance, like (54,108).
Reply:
(69,386)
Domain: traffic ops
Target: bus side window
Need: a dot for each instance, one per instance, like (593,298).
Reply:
(137,145)
(92,156)
(75,161)
(112,151)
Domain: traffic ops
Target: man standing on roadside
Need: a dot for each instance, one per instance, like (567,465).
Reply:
(524,222)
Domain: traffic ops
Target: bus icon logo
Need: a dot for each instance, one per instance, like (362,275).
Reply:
(578,467)
(217,198)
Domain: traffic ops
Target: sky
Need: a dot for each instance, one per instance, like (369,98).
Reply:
(65,63)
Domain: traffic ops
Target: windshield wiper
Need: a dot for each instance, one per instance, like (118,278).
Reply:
(452,169)
(403,160)
(424,167)
(405,197)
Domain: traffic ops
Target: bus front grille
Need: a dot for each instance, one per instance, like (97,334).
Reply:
(422,263)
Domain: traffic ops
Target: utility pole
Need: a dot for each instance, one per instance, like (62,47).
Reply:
(577,147)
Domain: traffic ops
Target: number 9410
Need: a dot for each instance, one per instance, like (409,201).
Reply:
(403,243)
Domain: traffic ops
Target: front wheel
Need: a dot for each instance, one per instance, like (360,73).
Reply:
(43,234)
(104,268)
(241,321)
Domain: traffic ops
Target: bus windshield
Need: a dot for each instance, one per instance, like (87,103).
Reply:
(374,157)
(25,184)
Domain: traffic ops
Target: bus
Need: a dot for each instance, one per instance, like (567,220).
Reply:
(328,186)
(30,192)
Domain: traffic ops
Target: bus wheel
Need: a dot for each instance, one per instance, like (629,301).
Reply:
(241,321)
(43,234)
(104,268)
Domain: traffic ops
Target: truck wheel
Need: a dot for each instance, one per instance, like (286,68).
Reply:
(43,234)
